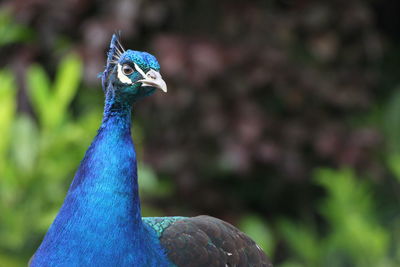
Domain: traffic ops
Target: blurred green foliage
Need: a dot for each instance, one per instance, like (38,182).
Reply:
(51,102)
(10,31)
(259,231)
(356,237)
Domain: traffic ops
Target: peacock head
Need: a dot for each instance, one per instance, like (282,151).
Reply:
(131,74)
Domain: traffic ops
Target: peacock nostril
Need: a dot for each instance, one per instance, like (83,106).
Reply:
(151,75)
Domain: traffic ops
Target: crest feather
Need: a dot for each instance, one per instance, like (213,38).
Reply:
(114,53)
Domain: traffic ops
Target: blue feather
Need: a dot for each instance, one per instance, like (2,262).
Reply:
(100,222)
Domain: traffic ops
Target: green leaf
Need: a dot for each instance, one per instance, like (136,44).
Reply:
(65,87)
(25,144)
(256,228)
(10,261)
(11,32)
(349,210)
(147,179)
(39,91)
(7,111)
(392,123)
(393,161)
(67,81)
(291,264)
(303,241)
(51,102)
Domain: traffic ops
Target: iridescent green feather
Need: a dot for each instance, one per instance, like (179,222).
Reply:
(159,224)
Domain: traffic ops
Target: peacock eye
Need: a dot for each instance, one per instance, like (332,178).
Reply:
(126,69)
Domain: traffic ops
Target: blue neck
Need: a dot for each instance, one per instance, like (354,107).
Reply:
(100,221)
(107,176)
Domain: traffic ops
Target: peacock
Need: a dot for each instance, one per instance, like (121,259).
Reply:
(100,222)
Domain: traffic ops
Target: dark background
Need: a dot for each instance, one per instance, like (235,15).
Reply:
(281,117)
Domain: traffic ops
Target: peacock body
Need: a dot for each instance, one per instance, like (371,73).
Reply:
(100,222)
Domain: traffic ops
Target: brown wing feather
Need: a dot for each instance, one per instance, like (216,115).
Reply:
(207,241)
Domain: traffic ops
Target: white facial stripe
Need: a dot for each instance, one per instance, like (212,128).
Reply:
(140,70)
(122,77)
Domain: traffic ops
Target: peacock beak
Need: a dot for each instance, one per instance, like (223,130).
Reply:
(152,78)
